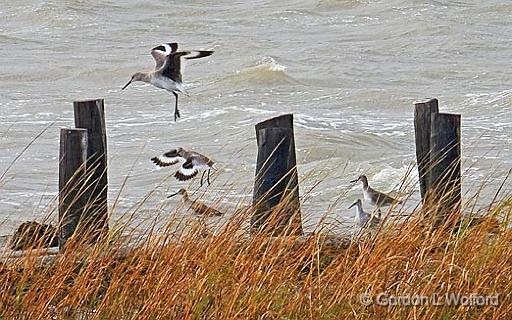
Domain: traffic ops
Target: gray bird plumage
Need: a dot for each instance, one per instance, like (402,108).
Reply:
(196,206)
(364,219)
(374,197)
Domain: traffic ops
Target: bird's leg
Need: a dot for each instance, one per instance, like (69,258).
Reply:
(202,176)
(176,111)
(208,177)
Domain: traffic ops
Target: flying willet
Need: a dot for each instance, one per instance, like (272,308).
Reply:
(374,197)
(191,163)
(198,207)
(364,219)
(167,73)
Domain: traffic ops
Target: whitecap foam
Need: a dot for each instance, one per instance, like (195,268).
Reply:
(266,71)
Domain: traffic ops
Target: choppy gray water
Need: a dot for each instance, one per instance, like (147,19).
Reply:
(349,70)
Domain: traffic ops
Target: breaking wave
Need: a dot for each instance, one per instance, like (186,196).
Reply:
(264,72)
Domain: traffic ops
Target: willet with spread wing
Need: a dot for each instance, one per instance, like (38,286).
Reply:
(167,73)
(191,163)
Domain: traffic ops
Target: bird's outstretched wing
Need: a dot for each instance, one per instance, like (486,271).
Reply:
(172,67)
(196,54)
(160,52)
(168,158)
(186,171)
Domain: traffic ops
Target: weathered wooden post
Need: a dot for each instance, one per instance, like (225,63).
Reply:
(276,179)
(72,167)
(439,158)
(422,125)
(444,178)
(90,115)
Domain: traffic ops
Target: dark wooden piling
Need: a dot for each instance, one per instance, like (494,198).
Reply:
(72,194)
(422,125)
(444,177)
(90,115)
(276,181)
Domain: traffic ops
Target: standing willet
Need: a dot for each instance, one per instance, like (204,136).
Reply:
(364,219)
(167,73)
(191,163)
(374,197)
(198,207)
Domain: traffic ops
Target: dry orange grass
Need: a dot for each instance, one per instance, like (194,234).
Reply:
(229,275)
(193,272)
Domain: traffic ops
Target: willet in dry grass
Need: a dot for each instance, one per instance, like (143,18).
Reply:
(191,163)
(167,73)
(198,207)
(364,219)
(374,197)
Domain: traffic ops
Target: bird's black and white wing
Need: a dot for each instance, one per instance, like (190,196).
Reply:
(160,53)
(172,67)
(187,170)
(196,54)
(168,159)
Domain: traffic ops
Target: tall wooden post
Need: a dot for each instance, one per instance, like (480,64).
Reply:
(90,115)
(445,158)
(276,179)
(72,194)
(422,125)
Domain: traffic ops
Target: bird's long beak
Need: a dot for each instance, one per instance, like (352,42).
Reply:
(126,85)
(355,180)
(353,204)
(172,195)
